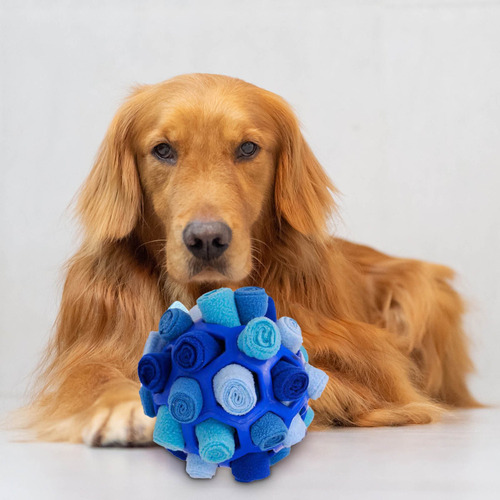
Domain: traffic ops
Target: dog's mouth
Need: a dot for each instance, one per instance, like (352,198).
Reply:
(212,270)
(207,257)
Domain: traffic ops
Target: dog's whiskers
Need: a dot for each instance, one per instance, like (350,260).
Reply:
(161,240)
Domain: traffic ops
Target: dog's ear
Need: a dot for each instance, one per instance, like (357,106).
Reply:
(110,201)
(303,193)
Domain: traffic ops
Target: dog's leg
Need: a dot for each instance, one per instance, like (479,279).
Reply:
(94,404)
(349,403)
(415,301)
(371,382)
(443,354)
(117,418)
(89,390)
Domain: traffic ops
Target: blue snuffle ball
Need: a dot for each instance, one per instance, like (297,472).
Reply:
(228,383)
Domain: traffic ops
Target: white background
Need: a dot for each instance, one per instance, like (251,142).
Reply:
(399,99)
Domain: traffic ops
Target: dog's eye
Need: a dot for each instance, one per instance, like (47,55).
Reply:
(165,152)
(247,150)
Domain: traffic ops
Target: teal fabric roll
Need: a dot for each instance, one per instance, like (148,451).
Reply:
(234,389)
(216,441)
(168,432)
(309,416)
(304,353)
(260,339)
(268,432)
(283,453)
(218,306)
(185,400)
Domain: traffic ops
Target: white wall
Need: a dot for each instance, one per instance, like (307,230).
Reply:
(399,99)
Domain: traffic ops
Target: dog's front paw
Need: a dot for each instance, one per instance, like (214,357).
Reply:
(123,424)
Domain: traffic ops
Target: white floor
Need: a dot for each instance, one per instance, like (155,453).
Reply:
(458,458)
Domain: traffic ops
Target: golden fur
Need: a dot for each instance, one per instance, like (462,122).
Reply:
(388,331)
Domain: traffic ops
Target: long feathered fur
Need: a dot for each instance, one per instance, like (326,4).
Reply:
(387,331)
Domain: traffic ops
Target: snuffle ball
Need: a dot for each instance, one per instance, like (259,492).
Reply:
(228,383)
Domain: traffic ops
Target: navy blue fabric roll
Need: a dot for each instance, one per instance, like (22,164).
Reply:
(271,309)
(174,322)
(251,302)
(195,350)
(154,369)
(251,467)
(289,381)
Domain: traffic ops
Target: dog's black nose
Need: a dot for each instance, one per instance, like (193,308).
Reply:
(207,240)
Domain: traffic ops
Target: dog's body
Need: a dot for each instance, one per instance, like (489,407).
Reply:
(207,151)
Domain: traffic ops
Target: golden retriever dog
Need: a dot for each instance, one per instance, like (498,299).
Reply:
(205,181)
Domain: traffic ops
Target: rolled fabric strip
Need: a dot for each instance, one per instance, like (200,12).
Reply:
(283,453)
(291,334)
(260,339)
(317,381)
(179,454)
(168,432)
(185,400)
(173,323)
(251,302)
(192,351)
(218,306)
(179,305)
(289,381)
(153,370)
(215,440)
(155,343)
(268,431)
(197,468)
(251,467)
(147,402)
(304,353)
(195,313)
(296,432)
(271,309)
(308,417)
(234,389)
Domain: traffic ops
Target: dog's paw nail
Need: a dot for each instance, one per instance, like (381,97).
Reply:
(122,425)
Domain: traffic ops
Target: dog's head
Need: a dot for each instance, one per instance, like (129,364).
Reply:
(201,164)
